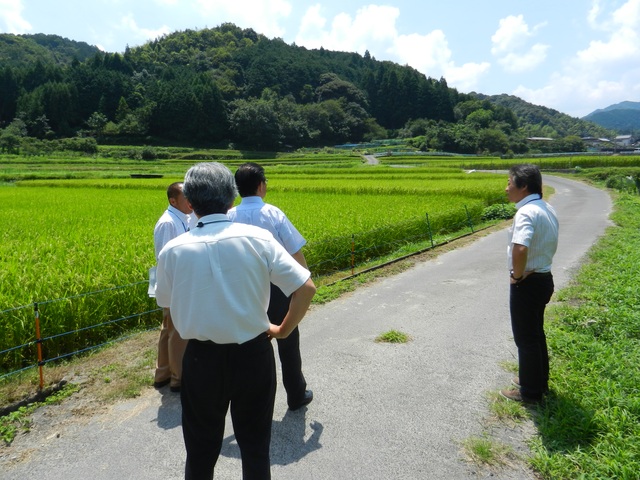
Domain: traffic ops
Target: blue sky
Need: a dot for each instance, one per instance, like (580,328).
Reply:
(573,56)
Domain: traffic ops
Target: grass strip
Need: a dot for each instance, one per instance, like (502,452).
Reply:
(589,428)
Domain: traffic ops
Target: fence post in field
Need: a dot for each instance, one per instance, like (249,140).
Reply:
(39,343)
(429,230)
(469,221)
(353,252)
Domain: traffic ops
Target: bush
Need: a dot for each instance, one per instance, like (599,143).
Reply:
(80,144)
(149,153)
(499,211)
(621,183)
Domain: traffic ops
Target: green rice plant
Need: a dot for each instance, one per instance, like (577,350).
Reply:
(64,243)
(71,237)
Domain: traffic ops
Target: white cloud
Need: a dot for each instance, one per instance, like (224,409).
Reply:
(431,55)
(374,29)
(586,77)
(522,62)
(263,17)
(465,78)
(511,34)
(426,53)
(510,45)
(129,23)
(11,17)
(594,14)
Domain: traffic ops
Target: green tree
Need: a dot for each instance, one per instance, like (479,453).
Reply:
(96,123)
(255,122)
(9,93)
(492,141)
(55,100)
(12,135)
(123,110)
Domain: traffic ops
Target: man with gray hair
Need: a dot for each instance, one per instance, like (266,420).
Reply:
(216,279)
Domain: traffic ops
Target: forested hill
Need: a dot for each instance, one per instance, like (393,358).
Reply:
(548,122)
(231,85)
(21,50)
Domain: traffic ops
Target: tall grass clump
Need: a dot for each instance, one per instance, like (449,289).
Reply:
(590,426)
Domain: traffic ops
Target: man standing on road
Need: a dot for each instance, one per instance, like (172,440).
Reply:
(173,222)
(216,279)
(533,240)
(252,186)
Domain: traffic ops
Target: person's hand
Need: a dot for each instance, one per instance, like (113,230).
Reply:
(274,331)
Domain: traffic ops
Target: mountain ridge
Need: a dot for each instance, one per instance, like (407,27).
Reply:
(623,117)
(228,84)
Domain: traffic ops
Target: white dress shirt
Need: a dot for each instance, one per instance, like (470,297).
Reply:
(254,211)
(535,226)
(171,224)
(216,279)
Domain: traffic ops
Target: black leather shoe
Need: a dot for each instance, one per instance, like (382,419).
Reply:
(306,400)
(162,383)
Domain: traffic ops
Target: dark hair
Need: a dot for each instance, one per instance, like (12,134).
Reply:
(248,177)
(210,188)
(527,175)
(174,190)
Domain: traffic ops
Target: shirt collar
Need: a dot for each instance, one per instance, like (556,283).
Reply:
(527,199)
(253,200)
(182,216)
(214,217)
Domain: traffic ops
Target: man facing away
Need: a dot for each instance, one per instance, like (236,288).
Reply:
(216,279)
(533,240)
(252,186)
(173,222)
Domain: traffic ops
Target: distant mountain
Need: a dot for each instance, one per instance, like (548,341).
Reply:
(539,121)
(623,117)
(19,50)
(619,106)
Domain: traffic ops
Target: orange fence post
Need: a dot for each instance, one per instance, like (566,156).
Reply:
(39,344)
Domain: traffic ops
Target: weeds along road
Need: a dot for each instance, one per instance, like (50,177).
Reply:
(380,411)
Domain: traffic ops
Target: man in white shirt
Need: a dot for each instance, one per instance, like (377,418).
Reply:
(175,221)
(533,240)
(252,186)
(216,279)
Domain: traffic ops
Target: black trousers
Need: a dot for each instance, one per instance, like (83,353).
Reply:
(527,302)
(288,349)
(215,376)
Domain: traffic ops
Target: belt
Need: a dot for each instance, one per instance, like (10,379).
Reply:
(262,336)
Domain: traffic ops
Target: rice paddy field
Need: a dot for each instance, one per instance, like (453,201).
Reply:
(75,226)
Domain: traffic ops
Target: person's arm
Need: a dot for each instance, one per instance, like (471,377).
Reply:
(299,257)
(300,301)
(518,262)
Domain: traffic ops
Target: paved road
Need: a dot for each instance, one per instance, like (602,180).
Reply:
(381,411)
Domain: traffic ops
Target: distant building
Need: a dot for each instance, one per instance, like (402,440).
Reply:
(624,140)
(540,139)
